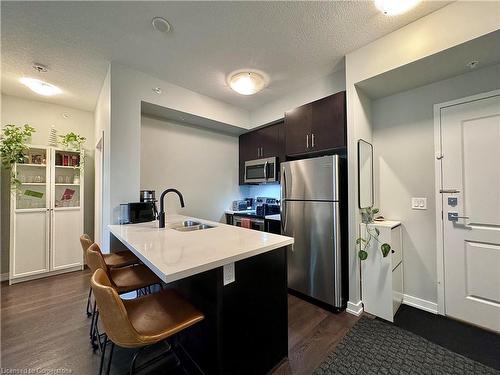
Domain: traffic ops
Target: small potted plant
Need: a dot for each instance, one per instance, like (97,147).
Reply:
(367,217)
(14,146)
(72,141)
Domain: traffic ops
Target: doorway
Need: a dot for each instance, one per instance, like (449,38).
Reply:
(99,168)
(467,143)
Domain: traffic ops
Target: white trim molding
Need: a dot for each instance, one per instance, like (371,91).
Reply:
(421,304)
(355,308)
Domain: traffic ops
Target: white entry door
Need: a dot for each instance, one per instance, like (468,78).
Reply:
(470,141)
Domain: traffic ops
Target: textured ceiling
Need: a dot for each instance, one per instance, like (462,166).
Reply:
(293,42)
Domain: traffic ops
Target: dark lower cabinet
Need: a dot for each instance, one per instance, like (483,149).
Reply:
(272,226)
(316,127)
(245,330)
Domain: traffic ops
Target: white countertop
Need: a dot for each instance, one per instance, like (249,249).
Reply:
(232,212)
(173,255)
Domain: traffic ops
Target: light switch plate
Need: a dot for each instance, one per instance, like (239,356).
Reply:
(419,203)
(228,271)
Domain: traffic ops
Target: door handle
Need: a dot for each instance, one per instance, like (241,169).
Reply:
(449,191)
(453,216)
(307,140)
(312,140)
(283,203)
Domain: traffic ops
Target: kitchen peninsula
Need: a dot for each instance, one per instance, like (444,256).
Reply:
(237,277)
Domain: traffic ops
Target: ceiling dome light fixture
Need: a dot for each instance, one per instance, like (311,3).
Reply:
(161,24)
(247,82)
(40,87)
(395,7)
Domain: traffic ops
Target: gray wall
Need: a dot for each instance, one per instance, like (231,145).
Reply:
(201,163)
(403,139)
(41,116)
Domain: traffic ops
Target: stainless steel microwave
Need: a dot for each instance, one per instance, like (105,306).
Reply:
(261,170)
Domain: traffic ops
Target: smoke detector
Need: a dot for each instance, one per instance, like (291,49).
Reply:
(472,64)
(40,68)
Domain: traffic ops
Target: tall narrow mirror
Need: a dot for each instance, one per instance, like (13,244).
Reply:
(365,174)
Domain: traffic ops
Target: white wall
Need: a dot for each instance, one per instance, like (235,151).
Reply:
(202,164)
(42,116)
(128,88)
(449,26)
(102,128)
(403,140)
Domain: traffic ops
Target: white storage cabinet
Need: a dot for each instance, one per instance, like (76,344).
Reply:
(382,278)
(46,215)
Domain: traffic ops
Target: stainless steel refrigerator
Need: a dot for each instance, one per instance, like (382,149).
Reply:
(311,213)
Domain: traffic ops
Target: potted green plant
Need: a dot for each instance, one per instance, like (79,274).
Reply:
(72,141)
(13,147)
(367,217)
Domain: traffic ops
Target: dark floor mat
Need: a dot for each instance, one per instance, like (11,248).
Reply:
(376,347)
(470,341)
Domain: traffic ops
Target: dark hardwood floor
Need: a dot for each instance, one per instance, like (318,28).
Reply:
(43,325)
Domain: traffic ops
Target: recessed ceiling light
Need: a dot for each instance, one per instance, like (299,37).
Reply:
(472,64)
(40,87)
(161,24)
(247,82)
(395,7)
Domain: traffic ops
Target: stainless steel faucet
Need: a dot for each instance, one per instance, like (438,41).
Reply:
(161,214)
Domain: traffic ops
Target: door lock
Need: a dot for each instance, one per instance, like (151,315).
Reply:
(452,201)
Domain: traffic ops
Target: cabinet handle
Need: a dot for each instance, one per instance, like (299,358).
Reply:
(258,151)
(312,140)
(307,140)
(262,151)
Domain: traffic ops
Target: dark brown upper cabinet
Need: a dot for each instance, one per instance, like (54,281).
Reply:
(261,143)
(316,127)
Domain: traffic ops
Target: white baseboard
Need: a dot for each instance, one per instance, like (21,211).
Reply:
(355,308)
(421,304)
(4,276)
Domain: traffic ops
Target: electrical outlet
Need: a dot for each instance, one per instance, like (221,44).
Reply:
(419,203)
(228,271)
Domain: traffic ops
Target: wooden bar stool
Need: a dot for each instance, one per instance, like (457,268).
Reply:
(123,280)
(113,260)
(140,322)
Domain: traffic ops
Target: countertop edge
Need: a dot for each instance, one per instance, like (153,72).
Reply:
(201,268)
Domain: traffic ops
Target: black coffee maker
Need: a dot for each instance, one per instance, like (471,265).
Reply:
(149,196)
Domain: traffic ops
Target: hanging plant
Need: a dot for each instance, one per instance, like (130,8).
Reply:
(72,141)
(13,147)
(367,215)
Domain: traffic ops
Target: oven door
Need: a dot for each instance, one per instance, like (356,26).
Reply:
(261,170)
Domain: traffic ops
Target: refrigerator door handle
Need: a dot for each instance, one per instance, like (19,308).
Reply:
(283,202)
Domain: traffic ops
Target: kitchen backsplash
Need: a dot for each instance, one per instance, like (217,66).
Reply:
(267,190)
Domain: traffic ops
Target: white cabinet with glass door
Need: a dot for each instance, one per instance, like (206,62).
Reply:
(46,214)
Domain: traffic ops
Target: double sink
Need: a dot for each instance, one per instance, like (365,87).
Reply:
(190,225)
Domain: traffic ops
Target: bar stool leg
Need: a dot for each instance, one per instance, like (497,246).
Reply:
(103,353)
(89,313)
(110,356)
(91,333)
